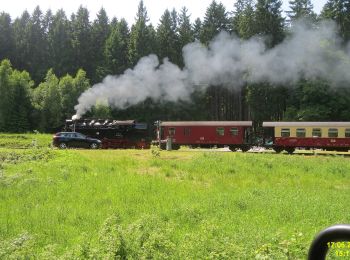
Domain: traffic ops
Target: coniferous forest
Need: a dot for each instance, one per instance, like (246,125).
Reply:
(48,59)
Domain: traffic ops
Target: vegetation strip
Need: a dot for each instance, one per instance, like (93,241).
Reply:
(137,204)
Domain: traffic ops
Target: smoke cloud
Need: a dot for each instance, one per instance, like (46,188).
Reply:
(307,53)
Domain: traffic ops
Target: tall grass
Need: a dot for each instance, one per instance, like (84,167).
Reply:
(194,205)
(29,140)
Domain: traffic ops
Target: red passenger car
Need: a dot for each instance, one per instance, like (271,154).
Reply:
(322,135)
(235,134)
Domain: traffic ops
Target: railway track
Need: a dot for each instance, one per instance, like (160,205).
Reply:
(316,152)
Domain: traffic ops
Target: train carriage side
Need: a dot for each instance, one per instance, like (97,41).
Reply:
(310,135)
(206,134)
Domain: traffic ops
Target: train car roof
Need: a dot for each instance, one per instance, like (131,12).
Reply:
(206,123)
(307,124)
(94,121)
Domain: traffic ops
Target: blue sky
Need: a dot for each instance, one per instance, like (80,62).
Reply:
(122,8)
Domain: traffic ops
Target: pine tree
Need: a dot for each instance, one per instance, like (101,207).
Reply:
(175,29)
(60,44)
(100,33)
(239,7)
(215,20)
(339,11)
(38,46)
(7,43)
(116,49)
(21,28)
(266,102)
(243,20)
(167,38)
(197,29)
(301,9)
(82,41)
(47,21)
(269,21)
(142,36)
(186,34)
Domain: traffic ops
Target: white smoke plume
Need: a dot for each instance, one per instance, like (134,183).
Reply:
(307,53)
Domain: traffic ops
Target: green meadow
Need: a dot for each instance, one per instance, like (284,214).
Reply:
(150,204)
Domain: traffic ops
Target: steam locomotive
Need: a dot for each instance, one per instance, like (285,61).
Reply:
(113,134)
(236,135)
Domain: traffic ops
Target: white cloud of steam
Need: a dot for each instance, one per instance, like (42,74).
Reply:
(310,53)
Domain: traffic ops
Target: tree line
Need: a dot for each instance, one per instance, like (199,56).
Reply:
(48,60)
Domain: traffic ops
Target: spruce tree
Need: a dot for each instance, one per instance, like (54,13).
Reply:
(100,32)
(82,41)
(142,36)
(197,29)
(243,21)
(185,29)
(186,34)
(116,49)
(7,43)
(339,11)
(21,28)
(60,44)
(301,9)
(37,63)
(167,38)
(215,20)
(269,21)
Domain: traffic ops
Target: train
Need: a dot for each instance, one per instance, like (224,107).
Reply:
(114,134)
(236,135)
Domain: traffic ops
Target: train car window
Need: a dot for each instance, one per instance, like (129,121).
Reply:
(285,132)
(301,132)
(172,131)
(220,131)
(187,131)
(234,131)
(347,132)
(316,132)
(332,132)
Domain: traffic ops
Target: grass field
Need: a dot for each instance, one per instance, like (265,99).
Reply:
(135,204)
